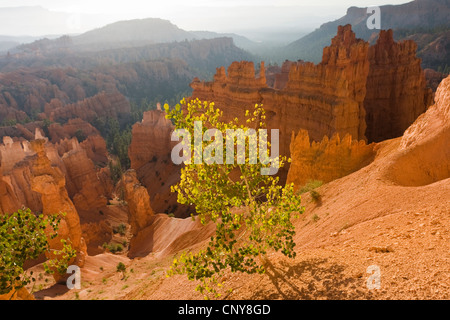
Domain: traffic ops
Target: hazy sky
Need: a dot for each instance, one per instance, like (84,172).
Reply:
(212,15)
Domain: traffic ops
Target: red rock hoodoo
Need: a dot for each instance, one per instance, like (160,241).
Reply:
(150,155)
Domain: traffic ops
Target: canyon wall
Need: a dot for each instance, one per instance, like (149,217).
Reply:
(396,88)
(150,156)
(324,99)
(424,156)
(351,91)
(326,160)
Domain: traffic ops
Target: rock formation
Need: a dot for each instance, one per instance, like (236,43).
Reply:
(49,182)
(343,94)
(13,151)
(150,155)
(8,200)
(79,172)
(84,187)
(68,130)
(323,99)
(327,160)
(424,155)
(151,139)
(87,186)
(138,200)
(396,88)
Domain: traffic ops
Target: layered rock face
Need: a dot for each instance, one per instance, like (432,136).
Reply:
(336,96)
(327,160)
(323,99)
(150,155)
(396,88)
(151,139)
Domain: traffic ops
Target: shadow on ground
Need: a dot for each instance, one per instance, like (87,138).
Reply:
(314,279)
(51,292)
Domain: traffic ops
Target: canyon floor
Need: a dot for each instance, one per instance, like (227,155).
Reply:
(364,219)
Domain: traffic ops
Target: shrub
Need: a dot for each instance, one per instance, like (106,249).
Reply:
(120,229)
(315,195)
(113,248)
(23,237)
(121,267)
(309,186)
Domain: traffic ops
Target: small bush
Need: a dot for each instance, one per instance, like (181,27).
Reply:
(121,267)
(113,248)
(120,229)
(117,248)
(315,195)
(310,186)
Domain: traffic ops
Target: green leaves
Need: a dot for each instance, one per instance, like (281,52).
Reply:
(62,258)
(22,237)
(252,212)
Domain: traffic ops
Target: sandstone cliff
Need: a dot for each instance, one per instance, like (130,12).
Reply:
(8,200)
(424,155)
(140,211)
(150,155)
(350,91)
(49,182)
(323,99)
(85,187)
(327,160)
(396,88)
